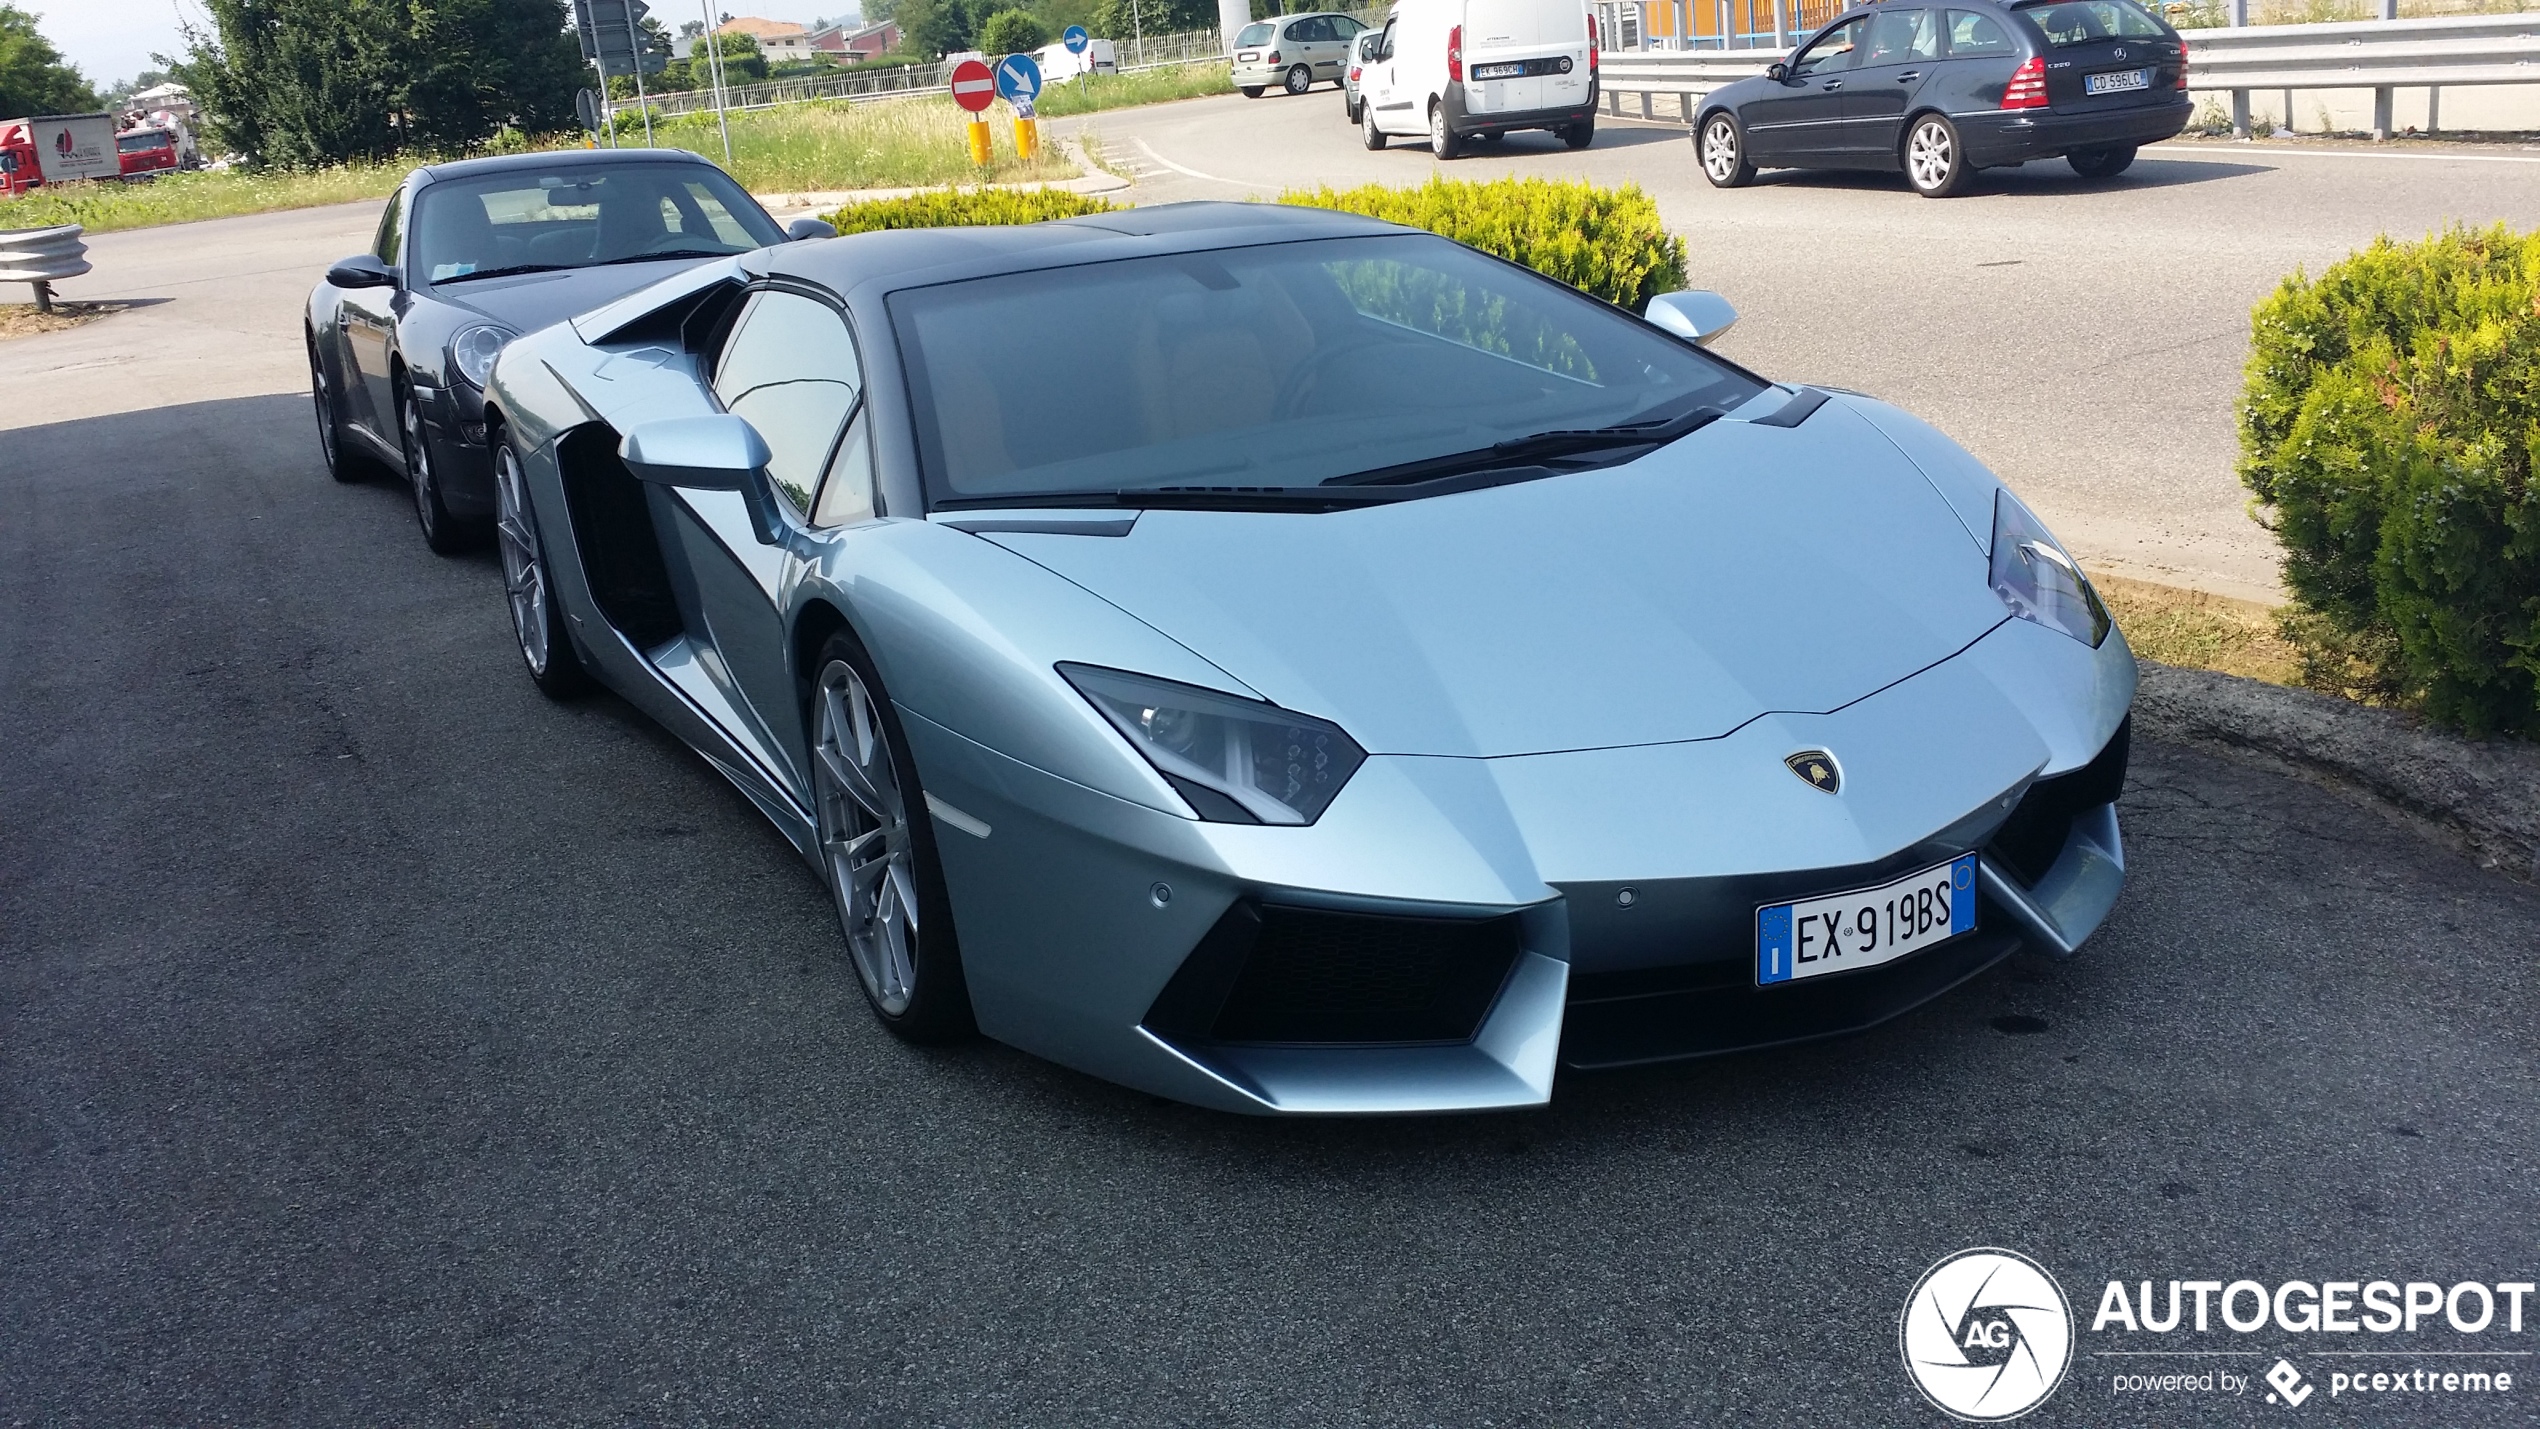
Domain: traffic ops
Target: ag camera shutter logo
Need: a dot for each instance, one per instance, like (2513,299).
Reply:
(1986,1335)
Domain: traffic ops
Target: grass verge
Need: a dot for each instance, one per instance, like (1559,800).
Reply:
(1096,92)
(103,207)
(2201,631)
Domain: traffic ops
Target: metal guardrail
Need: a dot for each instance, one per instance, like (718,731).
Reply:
(2378,55)
(42,256)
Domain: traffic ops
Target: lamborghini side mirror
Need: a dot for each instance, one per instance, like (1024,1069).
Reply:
(720,452)
(1698,317)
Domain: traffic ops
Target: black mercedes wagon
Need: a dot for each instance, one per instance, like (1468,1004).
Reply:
(1942,90)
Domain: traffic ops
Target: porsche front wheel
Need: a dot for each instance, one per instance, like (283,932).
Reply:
(545,645)
(877,853)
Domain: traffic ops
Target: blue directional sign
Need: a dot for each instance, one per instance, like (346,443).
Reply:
(1076,39)
(1019,78)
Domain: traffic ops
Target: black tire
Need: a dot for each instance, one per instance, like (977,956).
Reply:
(1252,91)
(1368,133)
(1579,135)
(340,464)
(1443,140)
(445,533)
(1935,162)
(1299,79)
(1720,145)
(934,1004)
(2104,163)
(1349,107)
(538,623)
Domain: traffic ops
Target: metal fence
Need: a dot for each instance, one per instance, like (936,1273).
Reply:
(900,81)
(2379,55)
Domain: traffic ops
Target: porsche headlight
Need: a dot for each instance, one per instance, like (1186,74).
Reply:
(473,351)
(1236,761)
(2038,579)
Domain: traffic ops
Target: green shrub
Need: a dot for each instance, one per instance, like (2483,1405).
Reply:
(2389,430)
(1604,242)
(958,208)
(1011,32)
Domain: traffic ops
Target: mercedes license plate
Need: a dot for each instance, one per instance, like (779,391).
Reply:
(1506,71)
(2116,81)
(1845,931)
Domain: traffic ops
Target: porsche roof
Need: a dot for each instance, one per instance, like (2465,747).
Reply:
(558,159)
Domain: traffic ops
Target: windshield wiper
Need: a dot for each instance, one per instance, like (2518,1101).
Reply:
(502,272)
(1537,448)
(667,255)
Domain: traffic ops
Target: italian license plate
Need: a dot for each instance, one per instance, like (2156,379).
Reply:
(1506,71)
(1842,932)
(2116,81)
(1249,56)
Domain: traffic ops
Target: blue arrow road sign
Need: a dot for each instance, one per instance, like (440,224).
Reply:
(1019,78)
(1076,39)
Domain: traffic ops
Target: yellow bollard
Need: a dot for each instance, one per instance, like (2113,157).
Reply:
(980,153)
(1027,137)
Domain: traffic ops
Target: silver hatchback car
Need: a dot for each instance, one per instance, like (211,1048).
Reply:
(1293,53)
(1361,51)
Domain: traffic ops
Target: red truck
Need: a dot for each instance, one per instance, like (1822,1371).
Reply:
(144,151)
(52,149)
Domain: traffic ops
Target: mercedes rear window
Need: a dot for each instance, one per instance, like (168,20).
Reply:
(2087,22)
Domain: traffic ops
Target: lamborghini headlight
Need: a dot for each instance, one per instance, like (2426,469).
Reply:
(2038,579)
(1235,761)
(473,351)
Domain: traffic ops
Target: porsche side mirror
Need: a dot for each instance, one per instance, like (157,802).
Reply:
(1777,71)
(721,452)
(1698,317)
(362,270)
(802,228)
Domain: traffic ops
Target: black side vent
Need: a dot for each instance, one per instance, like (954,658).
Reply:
(2029,842)
(1306,976)
(613,532)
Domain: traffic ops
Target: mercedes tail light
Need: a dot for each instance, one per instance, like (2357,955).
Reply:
(1455,54)
(2027,89)
(2182,64)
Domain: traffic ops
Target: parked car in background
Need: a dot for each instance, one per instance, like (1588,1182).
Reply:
(1360,51)
(1059,64)
(1293,53)
(1942,91)
(1454,71)
(471,255)
(1362,676)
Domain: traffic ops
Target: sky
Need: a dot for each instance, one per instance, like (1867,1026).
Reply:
(114,39)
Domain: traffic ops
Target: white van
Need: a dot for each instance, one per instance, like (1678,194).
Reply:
(1462,70)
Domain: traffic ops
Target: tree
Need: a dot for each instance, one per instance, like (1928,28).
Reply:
(299,83)
(1011,32)
(33,78)
(938,27)
(1113,18)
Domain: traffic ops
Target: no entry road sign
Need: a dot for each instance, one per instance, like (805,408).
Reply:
(972,86)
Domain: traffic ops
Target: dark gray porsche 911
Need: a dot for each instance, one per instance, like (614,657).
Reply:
(472,254)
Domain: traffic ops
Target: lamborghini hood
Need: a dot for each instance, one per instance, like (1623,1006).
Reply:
(1741,571)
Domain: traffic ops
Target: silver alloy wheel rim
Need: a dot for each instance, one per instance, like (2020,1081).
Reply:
(864,837)
(524,575)
(325,401)
(1437,131)
(1300,79)
(1719,150)
(1367,123)
(418,459)
(1928,156)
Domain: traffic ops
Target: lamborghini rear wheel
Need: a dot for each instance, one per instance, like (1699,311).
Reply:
(877,853)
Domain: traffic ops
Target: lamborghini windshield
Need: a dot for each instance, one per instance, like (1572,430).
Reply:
(1284,366)
(581,213)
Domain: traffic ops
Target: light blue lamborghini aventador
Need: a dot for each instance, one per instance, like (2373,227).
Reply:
(1296,664)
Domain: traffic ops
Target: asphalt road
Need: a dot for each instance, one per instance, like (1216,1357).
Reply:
(2086,340)
(380,1043)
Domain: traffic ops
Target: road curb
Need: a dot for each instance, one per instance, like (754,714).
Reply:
(1095,180)
(2484,792)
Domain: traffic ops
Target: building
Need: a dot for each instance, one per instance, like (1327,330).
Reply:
(778,40)
(849,44)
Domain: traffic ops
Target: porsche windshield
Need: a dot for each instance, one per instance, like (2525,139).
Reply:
(579,214)
(1281,366)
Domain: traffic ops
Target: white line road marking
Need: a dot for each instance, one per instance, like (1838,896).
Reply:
(2200,153)
(1194,173)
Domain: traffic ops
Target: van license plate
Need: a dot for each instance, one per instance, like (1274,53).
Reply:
(1506,71)
(1845,931)
(2116,82)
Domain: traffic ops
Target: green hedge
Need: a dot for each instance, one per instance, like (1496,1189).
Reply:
(2389,431)
(1605,242)
(962,208)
